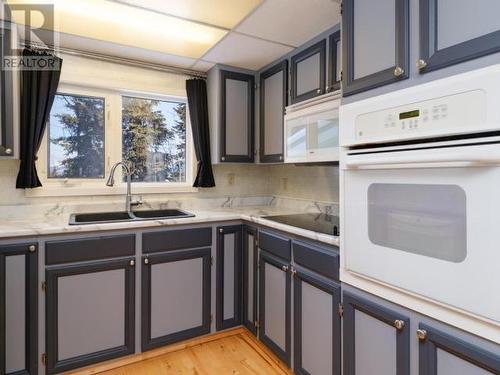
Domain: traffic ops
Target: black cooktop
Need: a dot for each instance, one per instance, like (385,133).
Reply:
(321,223)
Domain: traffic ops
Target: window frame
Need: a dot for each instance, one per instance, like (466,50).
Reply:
(52,186)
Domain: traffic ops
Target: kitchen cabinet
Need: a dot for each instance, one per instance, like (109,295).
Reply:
(375,44)
(273,100)
(334,61)
(90,312)
(441,353)
(376,339)
(316,330)
(229,276)
(6,97)
(250,278)
(231,107)
(308,72)
(175,296)
(455,31)
(275,305)
(19,308)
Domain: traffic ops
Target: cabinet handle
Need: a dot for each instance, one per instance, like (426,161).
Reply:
(284,268)
(281,157)
(421,64)
(146,261)
(399,324)
(327,89)
(31,248)
(132,263)
(293,271)
(318,91)
(221,230)
(398,72)
(223,158)
(421,334)
(8,151)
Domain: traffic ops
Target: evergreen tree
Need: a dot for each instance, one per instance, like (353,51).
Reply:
(84,144)
(179,167)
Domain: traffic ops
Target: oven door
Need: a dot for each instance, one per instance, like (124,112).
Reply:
(428,222)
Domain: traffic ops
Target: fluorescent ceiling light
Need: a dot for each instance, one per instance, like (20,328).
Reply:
(223,13)
(126,25)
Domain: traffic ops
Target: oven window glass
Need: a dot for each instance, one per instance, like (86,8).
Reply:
(427,220)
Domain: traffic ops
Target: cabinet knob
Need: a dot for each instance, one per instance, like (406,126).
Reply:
(31,248)
(421,334)
(221,230)
(281,157)
(399,324)
(318,91)
(146,261)
(8,151)
(285,268)
(421,64)
(222,158)
(293,271)
(398,72)
(327,89)
(132,263)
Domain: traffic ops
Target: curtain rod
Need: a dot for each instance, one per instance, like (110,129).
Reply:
(119,60)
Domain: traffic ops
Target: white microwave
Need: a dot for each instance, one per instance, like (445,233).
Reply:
(312,131)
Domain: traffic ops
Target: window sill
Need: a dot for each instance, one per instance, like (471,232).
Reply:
(63,190)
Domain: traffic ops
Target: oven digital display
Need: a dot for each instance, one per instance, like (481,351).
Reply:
(409,114)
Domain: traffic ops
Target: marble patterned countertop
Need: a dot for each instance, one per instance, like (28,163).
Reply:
(58,224)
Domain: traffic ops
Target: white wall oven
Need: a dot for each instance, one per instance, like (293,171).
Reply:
(421,191)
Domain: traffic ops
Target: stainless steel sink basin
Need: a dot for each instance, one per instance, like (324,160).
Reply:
(114,217)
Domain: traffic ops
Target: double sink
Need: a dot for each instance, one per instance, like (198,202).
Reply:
(123,216)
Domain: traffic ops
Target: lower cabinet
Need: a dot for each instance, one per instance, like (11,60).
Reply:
(18,309)
(90,308)
(175,296)
(229,277)
(250,278)
(317,326)
(376,340)
(275,305)
(443,354)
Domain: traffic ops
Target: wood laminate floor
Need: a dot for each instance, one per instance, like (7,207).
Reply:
(236,352)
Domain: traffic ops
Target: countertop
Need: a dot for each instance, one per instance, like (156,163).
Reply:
(12,228)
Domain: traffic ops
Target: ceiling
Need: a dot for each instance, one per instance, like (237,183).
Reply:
(191,34)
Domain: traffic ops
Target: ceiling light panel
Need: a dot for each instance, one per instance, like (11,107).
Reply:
(129,26)
(223,13)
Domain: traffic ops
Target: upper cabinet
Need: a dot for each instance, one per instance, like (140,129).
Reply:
(273,100)
(334,62)
(308,72)
(231,113)
(454,31)
(6,99)
(375,43)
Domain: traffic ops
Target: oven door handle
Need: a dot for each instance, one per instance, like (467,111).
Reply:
(444,160)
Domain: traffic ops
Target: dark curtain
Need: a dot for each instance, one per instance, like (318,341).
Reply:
(198,110)
(38,89)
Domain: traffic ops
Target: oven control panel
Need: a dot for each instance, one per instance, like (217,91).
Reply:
(454,113)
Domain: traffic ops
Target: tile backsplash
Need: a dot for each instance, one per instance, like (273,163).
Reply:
(315,183)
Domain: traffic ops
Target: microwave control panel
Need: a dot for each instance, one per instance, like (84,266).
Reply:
(454,113)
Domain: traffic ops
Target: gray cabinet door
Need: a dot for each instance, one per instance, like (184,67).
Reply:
(273,100)
(175,296)
(90,313)
(250,279)
(6,96)
(19,309)
(316,325)
(308,73)
(454,31)
(229,276)
(376,340)
(274,305)
(444,354)
(237,117)
(375,43)
(334,62)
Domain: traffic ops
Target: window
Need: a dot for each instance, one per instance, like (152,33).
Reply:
(89,130)
(154,139)
(76,137)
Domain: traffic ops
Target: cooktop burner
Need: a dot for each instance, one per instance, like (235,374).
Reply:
(317,222)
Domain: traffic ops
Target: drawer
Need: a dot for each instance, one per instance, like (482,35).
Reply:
(154,242)
(84,249)
(320,259)
(274,244)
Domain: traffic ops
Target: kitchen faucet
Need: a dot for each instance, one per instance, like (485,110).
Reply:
(128,199)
